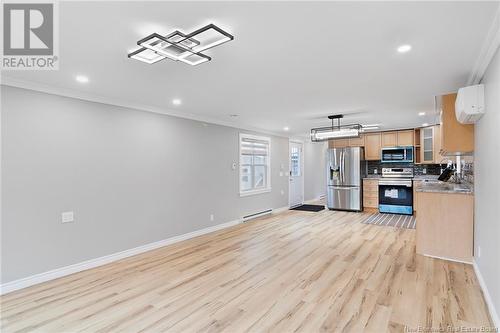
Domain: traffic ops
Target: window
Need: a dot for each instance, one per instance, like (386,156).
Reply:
(255,164)
(295,162)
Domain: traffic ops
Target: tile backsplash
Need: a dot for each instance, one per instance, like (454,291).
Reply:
(418,169)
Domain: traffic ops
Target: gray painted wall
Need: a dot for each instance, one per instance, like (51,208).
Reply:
(131,177)
(487,184)
(314,170)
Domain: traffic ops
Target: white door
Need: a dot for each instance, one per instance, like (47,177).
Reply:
(296,188)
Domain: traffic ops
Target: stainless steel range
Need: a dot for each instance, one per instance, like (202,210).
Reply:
(395,191)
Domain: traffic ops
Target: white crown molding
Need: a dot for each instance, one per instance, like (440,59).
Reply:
(487,296)
(490,45)
(72,93)
(92,263)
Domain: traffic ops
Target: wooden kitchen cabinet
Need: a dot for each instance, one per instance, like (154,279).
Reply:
(351,142)
(416,185)
(370,193)
(373,145)
(338,143)
(445,225)
(389,139)
(456,138)
(357,142)
(430,145)
(405,138)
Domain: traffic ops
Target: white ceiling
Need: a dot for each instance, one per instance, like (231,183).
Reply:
(290,64)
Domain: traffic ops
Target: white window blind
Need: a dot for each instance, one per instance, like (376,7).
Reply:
(255,164)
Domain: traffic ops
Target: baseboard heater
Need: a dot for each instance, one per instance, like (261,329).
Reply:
(255,215)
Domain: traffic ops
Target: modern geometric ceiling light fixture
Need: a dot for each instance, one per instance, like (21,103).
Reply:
(182,47)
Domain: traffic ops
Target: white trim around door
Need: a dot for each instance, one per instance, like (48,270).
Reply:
(296,190)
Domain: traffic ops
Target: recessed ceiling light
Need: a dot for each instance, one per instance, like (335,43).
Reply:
(404,48)
(421,113)
(425,124)
(176,101)
(82,78)
(286,128)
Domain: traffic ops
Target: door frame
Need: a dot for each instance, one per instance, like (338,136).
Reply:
(302,168)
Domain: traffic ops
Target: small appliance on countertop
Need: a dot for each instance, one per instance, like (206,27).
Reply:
(395,190)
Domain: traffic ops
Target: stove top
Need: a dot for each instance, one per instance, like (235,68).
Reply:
(397,172)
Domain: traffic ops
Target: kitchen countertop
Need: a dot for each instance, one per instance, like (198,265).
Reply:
(444,187)
(417,177)
(429,183)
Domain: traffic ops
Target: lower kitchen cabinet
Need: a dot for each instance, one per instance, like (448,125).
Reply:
(445,225)
(370,193)
(416,185)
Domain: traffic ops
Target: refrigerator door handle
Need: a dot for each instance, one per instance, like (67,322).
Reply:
(343,166)
(345,188)
(340,167)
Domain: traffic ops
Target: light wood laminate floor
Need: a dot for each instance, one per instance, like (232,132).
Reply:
(295,271)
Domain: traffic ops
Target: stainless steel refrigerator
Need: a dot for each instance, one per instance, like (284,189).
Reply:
(345,170)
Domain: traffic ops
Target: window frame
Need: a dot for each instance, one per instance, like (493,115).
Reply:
(253,191)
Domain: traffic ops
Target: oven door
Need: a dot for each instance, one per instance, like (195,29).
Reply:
(395,196)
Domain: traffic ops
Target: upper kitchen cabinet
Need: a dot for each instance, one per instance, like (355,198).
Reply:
(357,142)
(406,138)
(456,138)
(398,138)
(427,145)
(389,139)
(338,143)
(373,144)
(430,145)
(351,142)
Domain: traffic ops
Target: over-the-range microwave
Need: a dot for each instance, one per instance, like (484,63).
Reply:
(397,154)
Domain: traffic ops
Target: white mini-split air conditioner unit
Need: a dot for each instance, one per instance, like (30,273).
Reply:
(469,106)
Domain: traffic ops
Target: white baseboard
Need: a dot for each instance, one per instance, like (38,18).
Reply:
(63,271)
(315,200)
(280,210)
(449,259)
(487,296)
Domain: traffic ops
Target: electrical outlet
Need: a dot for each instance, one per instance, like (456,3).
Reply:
(282,192)
(281,173)
(211,217)
(67,217)
(424,171)
(479,251)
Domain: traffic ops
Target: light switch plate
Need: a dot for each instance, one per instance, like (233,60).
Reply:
(67,217)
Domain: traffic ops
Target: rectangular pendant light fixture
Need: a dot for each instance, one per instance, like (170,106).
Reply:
(181,47)
(335,131)
(326,133)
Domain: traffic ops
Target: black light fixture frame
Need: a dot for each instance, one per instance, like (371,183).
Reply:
(191,37)
(208,27)
(334,127)
(176,44)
